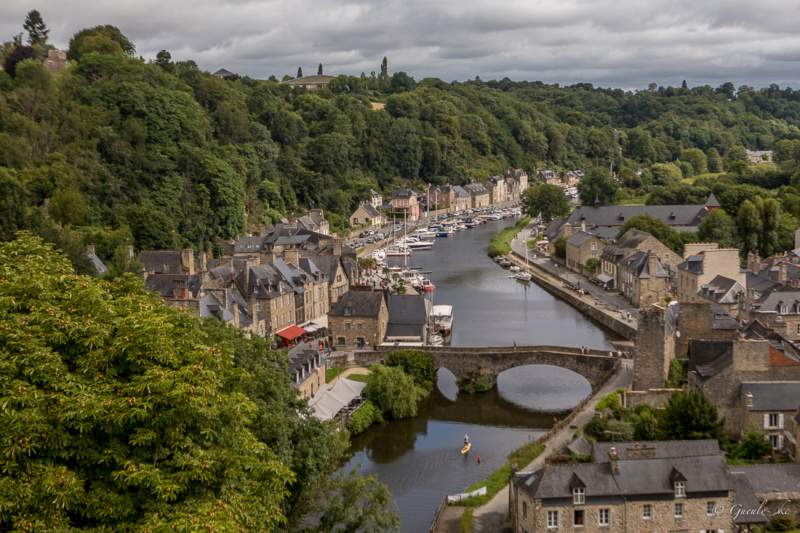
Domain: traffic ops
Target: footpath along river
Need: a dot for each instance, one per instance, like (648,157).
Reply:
(419,458)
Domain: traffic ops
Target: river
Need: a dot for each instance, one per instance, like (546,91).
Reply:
(419,458)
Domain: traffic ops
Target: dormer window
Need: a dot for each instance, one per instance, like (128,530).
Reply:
(680,489)
(578,495)
(784,309)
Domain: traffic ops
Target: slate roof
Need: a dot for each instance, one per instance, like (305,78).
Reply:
(577,239)
(407,309)
(161,261)
(773,395)
(782,296)
(770,479)
(98,264)
(328,264)
(402,194)
(477,189)
(210,306)
(460,192)
(404,330)
(686,216)
(641,267)
(723,319)
(162,284)
(221,73)
(370,210)
(604,233)
(366,304)
(373,192)
(555,228)
(745,498)
(664,449)
(772,270)
(722,290)
(708,358)
(580,446)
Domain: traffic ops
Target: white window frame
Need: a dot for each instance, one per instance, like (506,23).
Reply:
(679,510)
(784,309)
(647,511)
(578,495)
(552,519)
(680,489)
(604,517)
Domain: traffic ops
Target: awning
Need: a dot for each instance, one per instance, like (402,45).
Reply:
(604,278)
(317,323)
(329,404)
(291,333)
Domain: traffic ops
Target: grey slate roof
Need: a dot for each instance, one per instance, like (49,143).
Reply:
(577,239)
(98,264)
(745,498)
(210,306)
(693,264)
(664,449)
(775,298)
(407,309)
(723,319)
(402,193)
(708,358)
(773,395)
(478,189)
(604,233)
(712,201)
(770,479)
(366,304)
(722,290)
(641,267)
(580,446)
(683,216)
(460,192)
(162,284)
(162,261)
(759,283)
(370,210)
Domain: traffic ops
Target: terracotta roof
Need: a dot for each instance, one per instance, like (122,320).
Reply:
(776,358)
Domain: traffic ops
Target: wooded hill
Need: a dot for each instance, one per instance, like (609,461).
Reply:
(163,155)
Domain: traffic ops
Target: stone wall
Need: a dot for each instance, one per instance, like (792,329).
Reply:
(653,350)
(653,397)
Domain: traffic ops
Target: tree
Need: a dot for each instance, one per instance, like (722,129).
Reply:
(718,227)
(696,158)
(549,200)
(560,247)
(750,225)
(77,46)
(164,60)
(754,445)
(392,390)
(67,206)
(319,70)
(714,160)
(401,83)
(665,174)
(353,502)
(598,184)
(735,159)
(690,416)
(299,72)
(416,363)
(20,54)
(118,414)
(35,26)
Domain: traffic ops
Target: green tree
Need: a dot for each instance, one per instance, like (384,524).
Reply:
(67,206)
(560,247)
(13,205)
(20,54)
(665,174)
(416,363)
(392,390)
(77,47)
(690,416)
(750,226)
(735,159)
(718,227)
(118,415)
(36,28)
(598,184)
(151,229)
(754,445)
(696,158)
(319,70)
(299,72)
(352,502)
(714,161)
(549,200)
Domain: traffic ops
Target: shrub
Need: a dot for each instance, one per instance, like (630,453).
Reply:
(619,431)
(610,401)
(596,427)
(363,418)
(785,522)
(417,364)
(481,384)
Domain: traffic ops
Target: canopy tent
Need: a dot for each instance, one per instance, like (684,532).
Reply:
(329,404)
(316,324)
(291,333)
(604,278)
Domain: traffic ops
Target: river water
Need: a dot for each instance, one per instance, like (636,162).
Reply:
(419,458)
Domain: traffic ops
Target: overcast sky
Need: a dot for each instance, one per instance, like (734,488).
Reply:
(619,43)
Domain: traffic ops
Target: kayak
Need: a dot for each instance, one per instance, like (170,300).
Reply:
(466,447)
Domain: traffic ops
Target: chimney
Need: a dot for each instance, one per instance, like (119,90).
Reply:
(614,461)
(253,308)
(291,256)
(90,249)
(262,230)
(203,261)
(267,257)
(235,311)
(749,396)
(567,230)
(129,250)
(583,224)
(180,289)
(248,264)
(597,201)
(652,263)
(782,273)
(187,261)
(751,262)
(337,247)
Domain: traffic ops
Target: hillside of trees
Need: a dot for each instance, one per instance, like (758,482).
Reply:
(115,150)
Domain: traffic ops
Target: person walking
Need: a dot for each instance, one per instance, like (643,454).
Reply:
(515,346)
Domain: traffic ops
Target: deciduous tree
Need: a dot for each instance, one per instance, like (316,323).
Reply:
(392,390)
(549,200)
(690,416)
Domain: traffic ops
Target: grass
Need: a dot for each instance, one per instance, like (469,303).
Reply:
(332,373)
(499,479)
(640,200)
(466,525)
(358,377)
(500,243)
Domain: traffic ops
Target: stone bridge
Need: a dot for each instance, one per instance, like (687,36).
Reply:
(467,362)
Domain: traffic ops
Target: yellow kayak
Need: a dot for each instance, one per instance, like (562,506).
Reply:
(466,447)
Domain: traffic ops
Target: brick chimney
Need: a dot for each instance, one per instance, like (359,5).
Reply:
(203,261)
(253,308)
(583,224)
(782,273)
(337,247)
(613,457)
(235,311)
(567,230)
(187,261)
(262,230)
(90,249)
(129,251)
(180,289)
(291,256)
(652,263)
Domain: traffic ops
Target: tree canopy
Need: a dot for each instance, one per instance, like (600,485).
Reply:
(690,416)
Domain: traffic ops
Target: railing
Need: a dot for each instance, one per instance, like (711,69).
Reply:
(438,514)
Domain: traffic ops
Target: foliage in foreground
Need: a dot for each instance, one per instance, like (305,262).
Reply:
(392,390)
(416,363)
(117,413)
(367,415)
(690,416)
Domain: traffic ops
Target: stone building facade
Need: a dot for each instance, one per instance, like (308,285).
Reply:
(581,247)
(358,320)
(643,279)
(701,268)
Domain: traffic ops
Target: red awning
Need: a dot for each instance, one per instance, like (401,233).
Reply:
(292,332)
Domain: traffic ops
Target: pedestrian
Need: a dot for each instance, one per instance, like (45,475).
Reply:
(479,459)
(581,350)
(515,346)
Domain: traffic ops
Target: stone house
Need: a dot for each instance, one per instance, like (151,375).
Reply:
(167,261)
(726,292)
(513,189)
(307,370)
(684,218)
(521,176)
(582,246)
(366,214)
(779,308)
(358,320)
(55,61)
(548,177)
(658,486)
(461,198)
(442,197)
(405,201)
(375,199)
(479,196)
(631,242)
(334,270)
(408,319)
(699,269)
(643,279)
(755,157)
(572,178)
(496,185)
(314,220)
(767,406)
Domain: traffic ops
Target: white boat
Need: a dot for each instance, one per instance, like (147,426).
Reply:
(424,234)
(505,262)
(398,252)
(415,244)
(442,319)
(425,285)
(524,276)
(436,340)
(515,268)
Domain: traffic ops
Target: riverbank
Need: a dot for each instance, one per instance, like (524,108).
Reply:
(501,243)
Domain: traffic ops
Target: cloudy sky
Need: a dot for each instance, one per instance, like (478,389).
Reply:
(619,43)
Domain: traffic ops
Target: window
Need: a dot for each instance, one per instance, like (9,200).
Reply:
(347,326)
(552,519)
(578,517)
(578,495)
(798,329)
(773,420)
(360,327)
(339,277)
(680,489)
(340,341)
(524,510)
(646,511)
(678,510)
(594,246)
(603,518)
(666,257)
(784,309)
(710,508)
